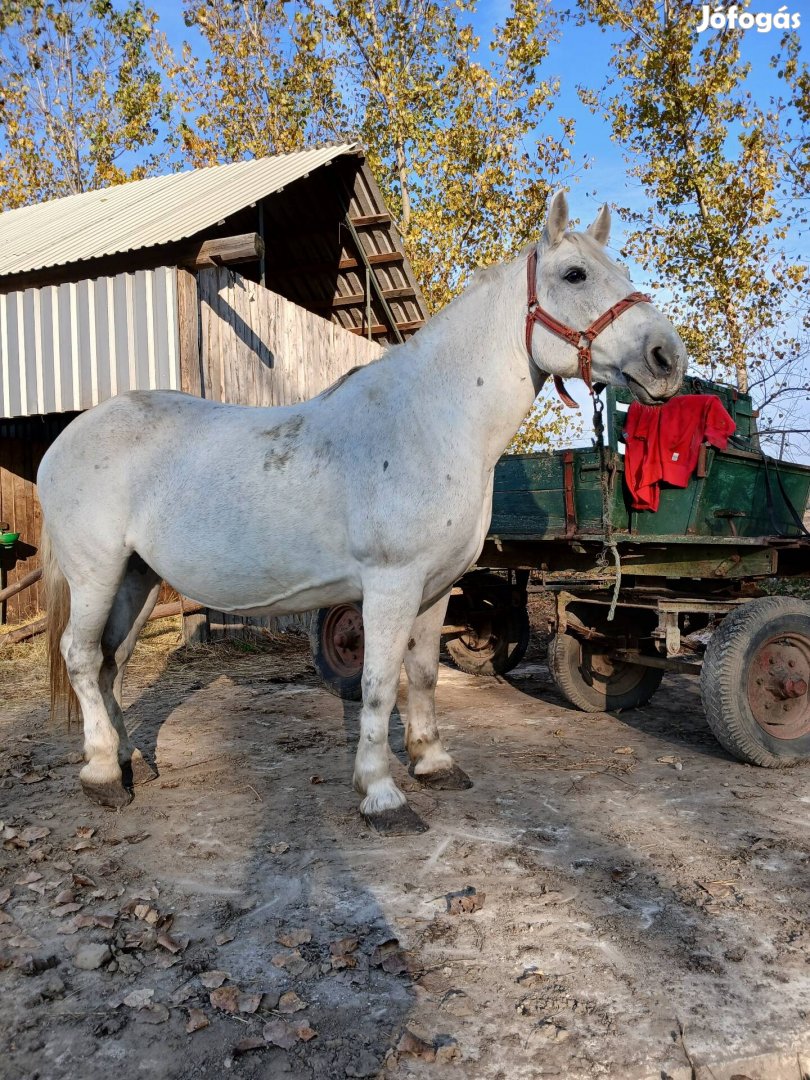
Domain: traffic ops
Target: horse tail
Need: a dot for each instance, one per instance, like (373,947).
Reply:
(57,607)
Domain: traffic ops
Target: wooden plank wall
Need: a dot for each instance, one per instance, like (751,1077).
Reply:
(22,446)
(260,349)
(256,348)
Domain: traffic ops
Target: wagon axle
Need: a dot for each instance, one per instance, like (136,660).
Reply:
(792,688)
(348,641)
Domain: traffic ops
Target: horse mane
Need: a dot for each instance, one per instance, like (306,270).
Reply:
(482,274)
(339,382)
(348,374)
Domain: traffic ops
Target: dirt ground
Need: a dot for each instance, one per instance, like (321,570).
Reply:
(614,897)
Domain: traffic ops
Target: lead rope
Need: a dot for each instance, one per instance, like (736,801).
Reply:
(606,483)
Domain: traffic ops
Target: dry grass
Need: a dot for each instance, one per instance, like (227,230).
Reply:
(24,666)
(24,669)
(158,640)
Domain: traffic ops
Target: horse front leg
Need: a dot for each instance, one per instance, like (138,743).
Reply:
(431,764)
(388,612)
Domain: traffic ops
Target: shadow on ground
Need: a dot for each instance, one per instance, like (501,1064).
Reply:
(631,915)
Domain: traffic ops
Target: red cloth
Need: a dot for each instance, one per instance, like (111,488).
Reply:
(663,443)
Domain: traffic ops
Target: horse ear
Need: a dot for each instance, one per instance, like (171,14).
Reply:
(556,220)
(600,228)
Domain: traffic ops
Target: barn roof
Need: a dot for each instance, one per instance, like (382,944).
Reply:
(331,244)
(145,213)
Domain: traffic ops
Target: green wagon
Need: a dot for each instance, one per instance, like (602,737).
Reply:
(689,595)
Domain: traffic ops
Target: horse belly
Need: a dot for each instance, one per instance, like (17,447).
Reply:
(302,598)
(278,589)
(258,545)
(255,572)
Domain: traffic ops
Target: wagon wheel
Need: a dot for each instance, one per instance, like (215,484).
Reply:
(595,682)
(337,643)
(494,642)
(755,680)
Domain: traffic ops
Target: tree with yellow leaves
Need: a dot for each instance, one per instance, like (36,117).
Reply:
(82,97)
(712,163)
(267,85)
(466,149)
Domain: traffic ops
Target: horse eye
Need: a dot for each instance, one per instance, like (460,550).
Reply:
(576,275)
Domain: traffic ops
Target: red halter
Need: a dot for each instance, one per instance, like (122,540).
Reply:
(580,339)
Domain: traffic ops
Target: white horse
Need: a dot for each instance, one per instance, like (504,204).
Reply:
(379,490)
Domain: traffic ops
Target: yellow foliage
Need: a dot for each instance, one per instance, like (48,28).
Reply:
(466,151)
(82,99)
(717,168)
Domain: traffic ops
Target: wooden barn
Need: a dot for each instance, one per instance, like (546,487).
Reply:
(134,287)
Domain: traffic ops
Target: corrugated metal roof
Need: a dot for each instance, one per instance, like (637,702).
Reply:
(67,347)
(143,213)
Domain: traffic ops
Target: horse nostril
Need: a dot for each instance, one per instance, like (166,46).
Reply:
(660,360)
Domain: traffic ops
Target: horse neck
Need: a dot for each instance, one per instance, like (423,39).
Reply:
(471,359)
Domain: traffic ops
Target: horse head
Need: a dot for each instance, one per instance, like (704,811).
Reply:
(578,296)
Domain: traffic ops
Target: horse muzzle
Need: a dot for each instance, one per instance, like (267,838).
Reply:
(658,377)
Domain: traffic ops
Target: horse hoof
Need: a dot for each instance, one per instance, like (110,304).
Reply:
(137,770)
(400,822)
(452,779)
(112,794)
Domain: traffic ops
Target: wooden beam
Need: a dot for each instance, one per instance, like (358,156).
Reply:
(408,327)
(23,633)
(188,317)
(385,258)
(378,328)
(39,626)
(360,298)
(371,219)
(375,285)
(107,266)
(18,586)
(247,247)
(176,607)
(195,628)
(341,302)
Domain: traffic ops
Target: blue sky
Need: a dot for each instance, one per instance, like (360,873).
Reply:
(582,55)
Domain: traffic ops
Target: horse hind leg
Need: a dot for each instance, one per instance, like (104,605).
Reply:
(106,613)
(133,604)
(431,765)
(90,604)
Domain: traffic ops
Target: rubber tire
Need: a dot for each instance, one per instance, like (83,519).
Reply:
(510,649)
(347,687)
(565,665)
(724,677)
